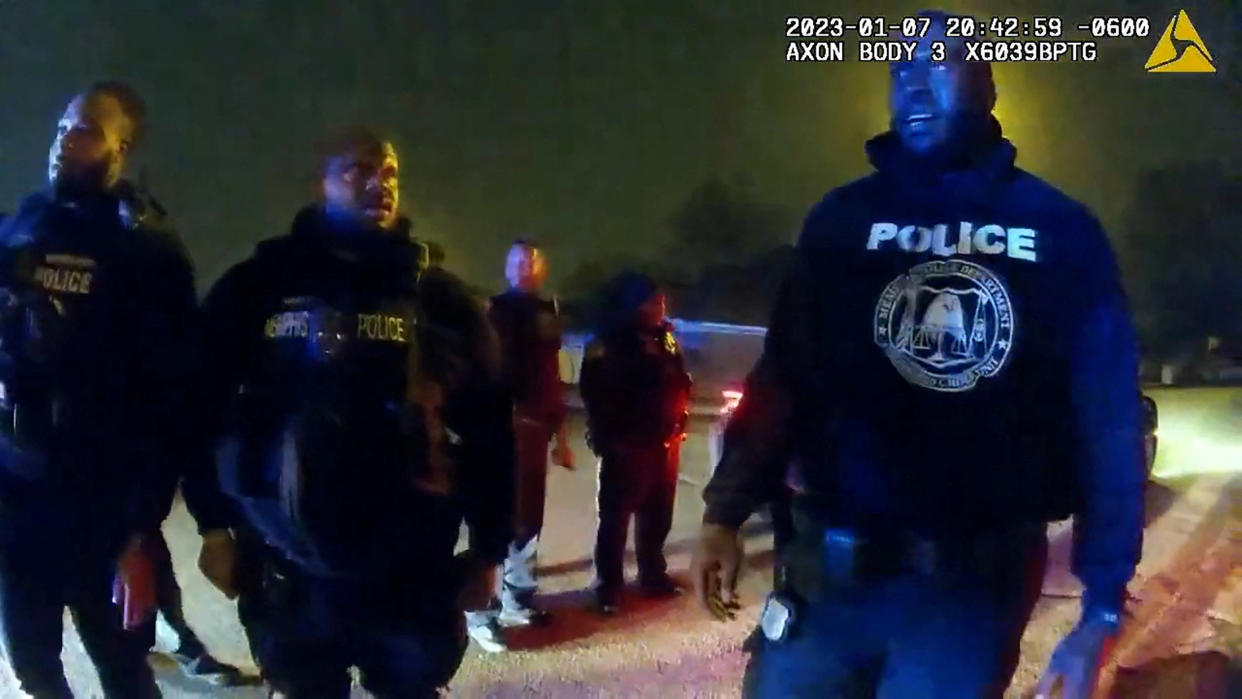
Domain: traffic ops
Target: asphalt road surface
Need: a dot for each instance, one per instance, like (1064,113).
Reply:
(1182,636)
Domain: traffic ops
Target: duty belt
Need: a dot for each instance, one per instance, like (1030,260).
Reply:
(820,558)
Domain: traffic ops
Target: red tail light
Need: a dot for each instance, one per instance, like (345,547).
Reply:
(731,400)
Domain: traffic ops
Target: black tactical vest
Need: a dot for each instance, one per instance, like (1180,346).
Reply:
(334,427)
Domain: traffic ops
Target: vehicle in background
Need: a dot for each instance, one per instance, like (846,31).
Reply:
(730,398)
(1151,427)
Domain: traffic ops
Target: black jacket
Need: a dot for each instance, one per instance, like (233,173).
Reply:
(313,353)
(635,388)
(116,368)
(530,339)
(951,352)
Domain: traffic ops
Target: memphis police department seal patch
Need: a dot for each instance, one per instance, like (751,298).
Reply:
(945,324)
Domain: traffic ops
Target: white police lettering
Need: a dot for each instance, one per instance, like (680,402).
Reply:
(939,234)
(914,238)
(945,324)
(1022,244)
(986,239)
(881,232)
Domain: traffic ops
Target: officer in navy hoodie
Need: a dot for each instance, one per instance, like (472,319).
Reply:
(950,365)
(356,409)
(97,307)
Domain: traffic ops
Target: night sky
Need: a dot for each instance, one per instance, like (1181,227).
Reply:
(581,124)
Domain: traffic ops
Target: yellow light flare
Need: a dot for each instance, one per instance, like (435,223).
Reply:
(1200,431)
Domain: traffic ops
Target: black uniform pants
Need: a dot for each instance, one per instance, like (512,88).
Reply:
(52,557)
(168,597)
(943,635)
(639,482)
(306,632)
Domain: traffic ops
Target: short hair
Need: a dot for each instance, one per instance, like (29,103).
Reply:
(527,243)
(620,299)
(349,140)
(132,105)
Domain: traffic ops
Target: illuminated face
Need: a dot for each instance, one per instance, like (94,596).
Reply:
(929,99)
(364,183)
(653,311)
(525,268)
(92,138)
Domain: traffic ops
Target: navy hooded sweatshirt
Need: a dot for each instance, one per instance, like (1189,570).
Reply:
(951,352)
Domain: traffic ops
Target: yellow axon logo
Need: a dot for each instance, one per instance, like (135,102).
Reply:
(66,274)
(287,324)
(1180,50)
(382,327)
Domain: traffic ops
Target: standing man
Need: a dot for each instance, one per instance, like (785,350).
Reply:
(98,299)
(637,392)
(530,337)
(952,363)
(358,414)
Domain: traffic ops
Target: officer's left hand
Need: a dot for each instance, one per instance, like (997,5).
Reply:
(1076,662)
(133,588)
(478,581)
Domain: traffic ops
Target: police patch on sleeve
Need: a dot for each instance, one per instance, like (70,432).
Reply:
(946,324)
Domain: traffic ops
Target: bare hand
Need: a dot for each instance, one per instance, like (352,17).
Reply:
(1075,664)
(562,455)
(715,569)
(217,559)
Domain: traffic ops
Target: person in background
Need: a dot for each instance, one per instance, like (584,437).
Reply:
(529,327)
(636,391)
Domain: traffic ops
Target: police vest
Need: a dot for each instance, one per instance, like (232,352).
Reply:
(65,299)
(334,420)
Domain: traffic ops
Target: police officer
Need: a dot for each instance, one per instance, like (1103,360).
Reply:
(636,392)
(952,363)
(530,337)
(362,420)
(98,305)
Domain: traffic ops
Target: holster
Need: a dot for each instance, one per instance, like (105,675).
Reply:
(821,558)
(265,575)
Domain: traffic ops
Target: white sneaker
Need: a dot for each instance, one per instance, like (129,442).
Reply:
(522,616)
(489,637)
